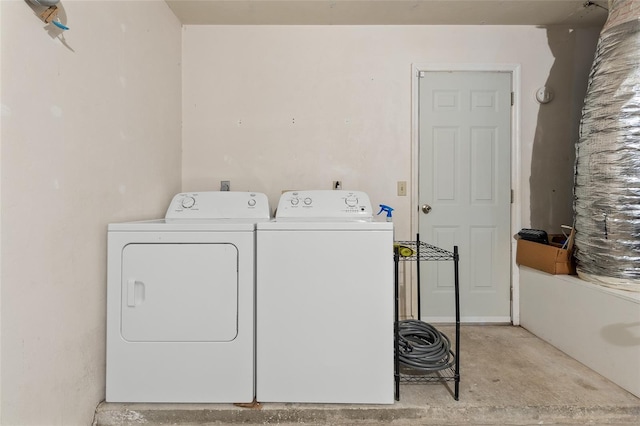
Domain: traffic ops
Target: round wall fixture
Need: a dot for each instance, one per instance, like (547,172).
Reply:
(544,95)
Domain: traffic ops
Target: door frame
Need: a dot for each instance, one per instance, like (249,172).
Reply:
(516,175)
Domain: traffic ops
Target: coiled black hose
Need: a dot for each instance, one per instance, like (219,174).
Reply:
(422,347)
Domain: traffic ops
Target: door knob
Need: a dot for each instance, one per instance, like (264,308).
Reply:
(426,208)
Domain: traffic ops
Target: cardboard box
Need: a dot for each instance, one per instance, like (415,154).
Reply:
(550,258)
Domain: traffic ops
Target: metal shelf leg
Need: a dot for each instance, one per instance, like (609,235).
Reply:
(457,296)
(396,358)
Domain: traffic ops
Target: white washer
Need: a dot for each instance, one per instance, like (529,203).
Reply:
(324,289)
(181,301)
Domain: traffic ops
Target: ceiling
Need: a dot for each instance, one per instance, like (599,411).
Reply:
(390,12)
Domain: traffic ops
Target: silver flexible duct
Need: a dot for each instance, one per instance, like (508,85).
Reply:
(607,175)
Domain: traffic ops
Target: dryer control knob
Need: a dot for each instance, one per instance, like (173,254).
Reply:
(188,202)
(294,201)
(351,202)
(251,202)
(307,201)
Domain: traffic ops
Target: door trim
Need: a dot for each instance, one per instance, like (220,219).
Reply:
(516,175)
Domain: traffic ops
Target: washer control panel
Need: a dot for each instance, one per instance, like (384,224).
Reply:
(325,204)
(219,205)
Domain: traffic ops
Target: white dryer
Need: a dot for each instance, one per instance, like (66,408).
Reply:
(180,301)
(324,289)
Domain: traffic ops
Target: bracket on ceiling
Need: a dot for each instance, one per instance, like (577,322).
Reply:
(50,14)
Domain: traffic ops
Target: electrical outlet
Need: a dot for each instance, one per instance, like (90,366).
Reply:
(225,185)
(337,184)
(402,188)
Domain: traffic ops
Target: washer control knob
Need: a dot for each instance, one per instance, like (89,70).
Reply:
(294,201)
(188,202)
(251,202)
(351,201)
(307,201)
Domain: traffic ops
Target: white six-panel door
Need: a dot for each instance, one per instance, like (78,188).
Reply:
(464,176)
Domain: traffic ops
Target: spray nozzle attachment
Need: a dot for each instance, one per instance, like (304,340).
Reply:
(385,208)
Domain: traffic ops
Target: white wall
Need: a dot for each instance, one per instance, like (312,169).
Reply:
(295,107)
(90,135)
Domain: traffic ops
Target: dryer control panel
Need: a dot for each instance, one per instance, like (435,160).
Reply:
(219,205)
(324,204)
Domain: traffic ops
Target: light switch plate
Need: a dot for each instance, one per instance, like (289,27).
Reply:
(402,188)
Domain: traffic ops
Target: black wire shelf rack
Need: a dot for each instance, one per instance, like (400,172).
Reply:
(422,251)
(411,375)
(418,251)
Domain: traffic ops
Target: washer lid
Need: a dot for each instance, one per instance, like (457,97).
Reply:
(318,205)
(309,225)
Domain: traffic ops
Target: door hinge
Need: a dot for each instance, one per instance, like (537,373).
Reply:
(513,97)
(511,294)
(512,196)
(421,74)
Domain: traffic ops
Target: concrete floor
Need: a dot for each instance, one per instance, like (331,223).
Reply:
(508,377)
